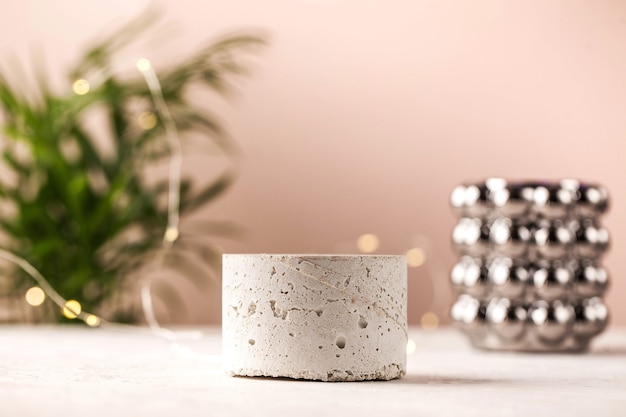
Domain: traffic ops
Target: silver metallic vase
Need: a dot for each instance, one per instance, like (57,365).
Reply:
(529,277)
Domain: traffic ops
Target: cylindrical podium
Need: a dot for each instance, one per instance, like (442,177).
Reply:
(321,317)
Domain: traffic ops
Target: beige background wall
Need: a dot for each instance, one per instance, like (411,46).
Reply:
(362,115)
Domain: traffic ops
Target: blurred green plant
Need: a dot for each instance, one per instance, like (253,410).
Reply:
(88,219)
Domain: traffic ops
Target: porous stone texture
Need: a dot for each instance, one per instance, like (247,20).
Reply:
(320,317)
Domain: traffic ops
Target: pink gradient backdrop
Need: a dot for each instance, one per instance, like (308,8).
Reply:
(362,115)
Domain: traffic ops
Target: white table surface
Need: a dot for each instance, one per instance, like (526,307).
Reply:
(77,371)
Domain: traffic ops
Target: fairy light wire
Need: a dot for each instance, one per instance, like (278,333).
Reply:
(172,231)
(45,286)
(173,140)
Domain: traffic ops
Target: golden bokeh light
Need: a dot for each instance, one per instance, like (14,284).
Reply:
(429,321)
(147,120)
(415,257)
(171,234)
(81,87)
(367,243)
(72,309)
(92,321)
(411,347)
(35,296)
(143,65)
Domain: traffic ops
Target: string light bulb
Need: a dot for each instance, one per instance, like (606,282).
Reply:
(144,65)
(147,120)
(415,257)
(411,347)
(35,296)
(81,87)
(367,243)
(92,320)
(429,321)
(171,234)
(72,309)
